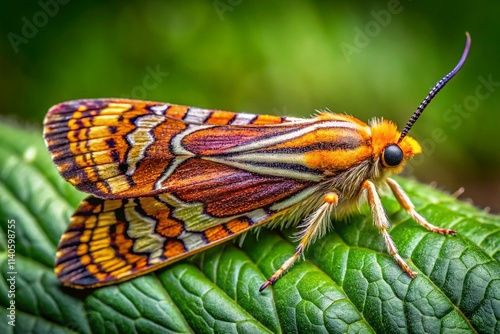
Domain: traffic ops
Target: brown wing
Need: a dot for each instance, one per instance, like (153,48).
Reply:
(109,241)
(124,148)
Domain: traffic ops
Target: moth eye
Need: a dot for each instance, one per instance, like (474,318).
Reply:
(392,156)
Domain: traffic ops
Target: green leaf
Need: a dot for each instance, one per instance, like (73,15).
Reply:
(348,282)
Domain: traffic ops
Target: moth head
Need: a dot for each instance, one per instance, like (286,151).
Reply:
(394,148)
(392,154)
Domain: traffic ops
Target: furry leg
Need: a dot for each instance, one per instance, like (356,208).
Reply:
(406,204)
(312,227)
(380,220)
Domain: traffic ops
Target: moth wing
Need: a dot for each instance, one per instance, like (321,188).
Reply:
(109,241)
(116,148)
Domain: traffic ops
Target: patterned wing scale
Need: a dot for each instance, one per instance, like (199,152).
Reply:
(227,191)
(121,148)
(111,240)
(97,145)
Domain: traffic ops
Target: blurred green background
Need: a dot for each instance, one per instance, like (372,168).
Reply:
(365,58)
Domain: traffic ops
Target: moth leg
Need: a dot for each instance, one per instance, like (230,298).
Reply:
(406,204)
(313,227)
(380,220)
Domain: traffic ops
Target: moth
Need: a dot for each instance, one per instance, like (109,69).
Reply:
(168,181)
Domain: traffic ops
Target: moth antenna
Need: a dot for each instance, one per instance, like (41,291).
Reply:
(441,83)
